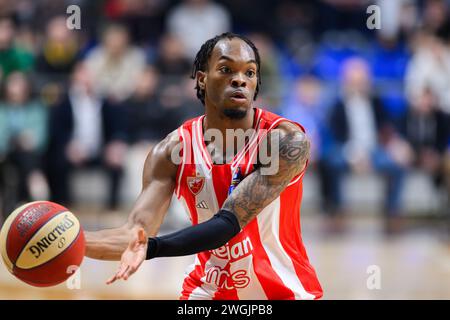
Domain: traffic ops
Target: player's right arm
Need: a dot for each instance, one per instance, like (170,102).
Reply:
(149,210)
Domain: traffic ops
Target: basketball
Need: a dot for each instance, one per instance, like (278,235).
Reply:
(42,243)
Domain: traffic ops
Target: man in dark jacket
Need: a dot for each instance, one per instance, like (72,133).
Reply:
(427,129)
(85,131)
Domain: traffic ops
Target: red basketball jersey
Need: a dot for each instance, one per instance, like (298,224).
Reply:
(267,259)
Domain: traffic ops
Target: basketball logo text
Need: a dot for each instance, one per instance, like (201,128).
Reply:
(39,247)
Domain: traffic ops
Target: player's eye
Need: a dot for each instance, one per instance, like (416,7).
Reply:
(224,69)
(250,73)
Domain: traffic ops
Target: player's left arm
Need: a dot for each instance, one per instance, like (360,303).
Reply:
(258,189)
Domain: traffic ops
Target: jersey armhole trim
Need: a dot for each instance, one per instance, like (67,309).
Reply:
(183,161)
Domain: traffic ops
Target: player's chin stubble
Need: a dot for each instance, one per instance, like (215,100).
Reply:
(235,114)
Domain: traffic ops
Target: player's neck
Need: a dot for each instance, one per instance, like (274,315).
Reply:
(216,120)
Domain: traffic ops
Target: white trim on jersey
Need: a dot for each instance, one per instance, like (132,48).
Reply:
(254,290)
(253,139)
(183,139)
(269,226)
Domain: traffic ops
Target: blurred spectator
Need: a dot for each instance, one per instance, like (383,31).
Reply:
(115,64)
(195,21)
(389,58)
(270,71)
(12,58)
(85,131)
(436,18)
(294,16)
(171,60)
(143,17)
(23,135)
(191,106)
(306,107)
(429,67)
(398,18)
(342,14)
(364,140)
(428,131)
(149,120)
(59,51)
(258,20)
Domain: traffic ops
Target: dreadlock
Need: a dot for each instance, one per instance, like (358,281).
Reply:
(203,55)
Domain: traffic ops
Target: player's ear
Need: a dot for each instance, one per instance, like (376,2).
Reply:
(201,79)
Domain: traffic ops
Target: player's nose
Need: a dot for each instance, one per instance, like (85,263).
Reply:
(238,81)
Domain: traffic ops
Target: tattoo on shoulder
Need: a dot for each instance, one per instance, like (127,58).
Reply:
(294,147)
(257,190)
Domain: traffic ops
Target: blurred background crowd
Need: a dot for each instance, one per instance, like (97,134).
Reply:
(373,101)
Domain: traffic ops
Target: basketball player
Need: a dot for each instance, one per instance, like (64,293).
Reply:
(246,224)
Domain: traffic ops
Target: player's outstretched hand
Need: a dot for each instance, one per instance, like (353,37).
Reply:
(132,257)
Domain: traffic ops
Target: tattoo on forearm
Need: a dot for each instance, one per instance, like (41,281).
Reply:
(256,191)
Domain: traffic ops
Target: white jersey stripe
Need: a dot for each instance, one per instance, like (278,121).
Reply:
(298,178)
(269,223)
(197,149)
(199,135)
(254,290)
(198,293)
(253,139)
(185,148)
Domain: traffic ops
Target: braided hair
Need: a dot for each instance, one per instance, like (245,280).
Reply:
(203,55)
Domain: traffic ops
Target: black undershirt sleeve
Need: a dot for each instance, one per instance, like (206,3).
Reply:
(207,235)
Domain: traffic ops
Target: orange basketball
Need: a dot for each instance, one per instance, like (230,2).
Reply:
(42,243)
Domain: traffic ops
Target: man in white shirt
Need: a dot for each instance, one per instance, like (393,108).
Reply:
(364,140)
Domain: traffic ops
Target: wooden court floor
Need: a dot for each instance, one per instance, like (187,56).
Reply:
(412,265)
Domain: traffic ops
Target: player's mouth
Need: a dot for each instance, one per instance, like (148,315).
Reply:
(238,96)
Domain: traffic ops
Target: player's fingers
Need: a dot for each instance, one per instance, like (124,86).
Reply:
(112,279)
(123,270)
(136,263)
(115,276)
(142,237)
(129,272)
